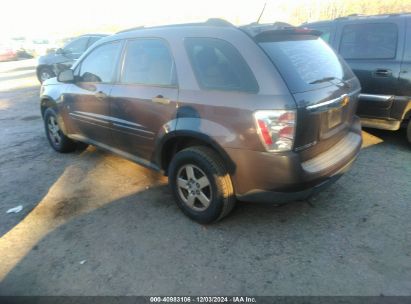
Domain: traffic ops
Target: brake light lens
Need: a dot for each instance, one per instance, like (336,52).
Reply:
(276,129)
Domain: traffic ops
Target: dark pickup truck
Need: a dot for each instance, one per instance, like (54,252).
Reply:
(378,50)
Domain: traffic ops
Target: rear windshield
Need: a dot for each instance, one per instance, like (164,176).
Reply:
(306,62)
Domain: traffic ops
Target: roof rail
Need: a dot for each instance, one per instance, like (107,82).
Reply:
(371,16)
(211,21)
(218,22)
(131,29)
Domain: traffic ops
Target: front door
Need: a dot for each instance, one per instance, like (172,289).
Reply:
(88,100)
(145,98)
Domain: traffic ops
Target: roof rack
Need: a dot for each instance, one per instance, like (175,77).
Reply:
(218,22)
(209,22)
(353,16)
(130,29)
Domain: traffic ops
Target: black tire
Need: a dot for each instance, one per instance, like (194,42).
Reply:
(409,131)
(57,139)
(219,190)
(43,72)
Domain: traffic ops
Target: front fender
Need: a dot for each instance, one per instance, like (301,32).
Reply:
(51,97)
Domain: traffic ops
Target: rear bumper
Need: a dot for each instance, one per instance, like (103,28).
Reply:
(278,178)
(264,196)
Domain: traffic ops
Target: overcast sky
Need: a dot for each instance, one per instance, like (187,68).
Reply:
(43,18)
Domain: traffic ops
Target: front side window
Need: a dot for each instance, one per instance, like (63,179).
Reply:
(219,66)
(100,64)
(148,62)
(77,46)
(369,41)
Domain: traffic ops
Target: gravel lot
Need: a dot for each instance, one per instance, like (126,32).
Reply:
(95,224)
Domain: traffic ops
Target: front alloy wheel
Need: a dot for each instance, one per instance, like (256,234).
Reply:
(56,137)
(54,130)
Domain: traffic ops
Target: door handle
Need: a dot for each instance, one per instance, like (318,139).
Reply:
(160,99)
(382,73)
(100,95)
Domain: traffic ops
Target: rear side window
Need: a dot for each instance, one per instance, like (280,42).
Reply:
(306,62)
(77,46)
(99,65)
(149,62)
(219,66)
(369,41)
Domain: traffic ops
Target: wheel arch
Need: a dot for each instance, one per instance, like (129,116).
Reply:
(47,102)
(176,141)
(41,66)
(407,115)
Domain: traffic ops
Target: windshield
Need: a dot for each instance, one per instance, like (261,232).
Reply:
(306,64)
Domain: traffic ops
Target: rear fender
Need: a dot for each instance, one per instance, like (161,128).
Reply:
(202,130)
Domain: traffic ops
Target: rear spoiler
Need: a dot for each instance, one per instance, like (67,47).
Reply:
(275,32)
(283,33)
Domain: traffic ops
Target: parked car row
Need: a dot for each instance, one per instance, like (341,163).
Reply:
(256,113)
(63,58)
(378,50)
(23,48)
(7,53)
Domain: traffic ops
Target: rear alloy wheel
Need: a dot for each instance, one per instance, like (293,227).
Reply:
(201,184)
(194,187)
(57,139)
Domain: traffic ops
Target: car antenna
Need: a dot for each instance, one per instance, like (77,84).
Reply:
(262,11)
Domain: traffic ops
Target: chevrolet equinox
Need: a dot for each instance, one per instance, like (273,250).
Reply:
(260,113)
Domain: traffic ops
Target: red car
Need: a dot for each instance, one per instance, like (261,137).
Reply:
(7,53)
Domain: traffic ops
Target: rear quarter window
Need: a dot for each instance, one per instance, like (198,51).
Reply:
(369,41)
(218,65)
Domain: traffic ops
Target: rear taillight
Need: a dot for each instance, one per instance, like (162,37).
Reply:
(276,129)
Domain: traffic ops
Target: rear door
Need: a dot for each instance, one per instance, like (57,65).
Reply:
(145,97)
(373,48)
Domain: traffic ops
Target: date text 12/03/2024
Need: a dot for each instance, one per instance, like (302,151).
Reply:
(203,299)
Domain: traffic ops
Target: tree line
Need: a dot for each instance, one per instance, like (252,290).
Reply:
(316,10)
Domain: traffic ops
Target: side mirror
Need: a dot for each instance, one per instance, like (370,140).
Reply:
(59,51)
(66,76)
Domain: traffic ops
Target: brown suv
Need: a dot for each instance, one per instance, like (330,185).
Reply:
(258,113)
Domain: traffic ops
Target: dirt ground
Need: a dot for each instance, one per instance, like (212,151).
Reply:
(95,224)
